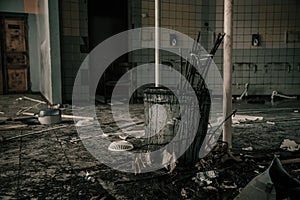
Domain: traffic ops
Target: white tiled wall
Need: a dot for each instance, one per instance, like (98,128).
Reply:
(273,20)
(74,27)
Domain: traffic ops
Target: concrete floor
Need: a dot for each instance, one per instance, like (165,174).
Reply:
(54,164)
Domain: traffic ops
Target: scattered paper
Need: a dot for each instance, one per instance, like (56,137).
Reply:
(244,118)
(289,145)
(271,123)
(166,158)
(247,149)
(136,133)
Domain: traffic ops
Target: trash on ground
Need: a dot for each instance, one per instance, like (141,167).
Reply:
(88,177)
(261,166)
(2,113)
(244,118)
(31,99)
(74,140)
(84,122)
(228,185)
(289,145)
(184,193)
(209,187)
(270,122)
(25,109)
(286,186)
(258,188)
(136,133)
(247,148)
(123,136)
(121,145)
(166,158)
(205,178)
(141,161)
(172,165)
(169,160)
(64,116)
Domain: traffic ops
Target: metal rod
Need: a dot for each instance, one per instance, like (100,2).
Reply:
(227,60)
(31,99)
(157,38)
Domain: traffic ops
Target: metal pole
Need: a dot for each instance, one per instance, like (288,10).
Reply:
(227,60)
(157,38)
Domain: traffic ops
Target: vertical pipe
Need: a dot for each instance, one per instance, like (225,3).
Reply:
(157,38)
(227,61)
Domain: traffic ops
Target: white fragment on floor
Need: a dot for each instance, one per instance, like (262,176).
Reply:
(289,145)
(244,118)
(247,148)
(166,158)
(270,123)
(84,122)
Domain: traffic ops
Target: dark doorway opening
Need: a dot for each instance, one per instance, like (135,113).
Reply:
(106,19)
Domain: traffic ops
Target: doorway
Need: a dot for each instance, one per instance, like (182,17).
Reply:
(14,66)
(106,20)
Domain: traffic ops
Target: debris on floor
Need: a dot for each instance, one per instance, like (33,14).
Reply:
(259,188)
(244,118)
(84,122)
(289,145)
(206,178)
(270,122)
(50,161)
(273,183)
(121,145)
(247,148)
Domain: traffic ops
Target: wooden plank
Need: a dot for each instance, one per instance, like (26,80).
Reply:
(7,127)
(15,35)
(65,116)
(291,161)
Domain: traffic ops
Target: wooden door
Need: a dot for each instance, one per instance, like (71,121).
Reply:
(14,55)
